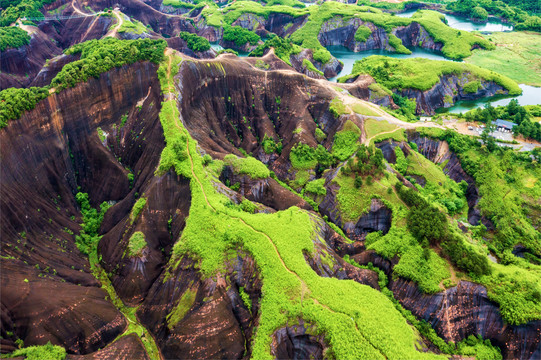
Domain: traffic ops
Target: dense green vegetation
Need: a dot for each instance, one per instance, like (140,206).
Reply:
(362,33)
(520,115)
(137,208)
(195,42)
(88,238)
(40,352)
(271,146)
(515,11)
(423,74)
(14,9)
(513,283)
(249,166)
(345,141)
(12,37)
(305,157)
(240,36)
(15,101)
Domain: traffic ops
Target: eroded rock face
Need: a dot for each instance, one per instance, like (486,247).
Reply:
(128,347)
(360,87)
(265,191)
(448,91)
(378,218)
(227,103)
(216,323)
(23,63)
(465,309)
(57,143)
(327,263)
(297,342)
(341,31)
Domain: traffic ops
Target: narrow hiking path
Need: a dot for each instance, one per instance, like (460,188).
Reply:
(120,20)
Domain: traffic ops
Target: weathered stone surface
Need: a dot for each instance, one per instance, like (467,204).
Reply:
(297,342)
(128,347)
(464,310)
(58,144)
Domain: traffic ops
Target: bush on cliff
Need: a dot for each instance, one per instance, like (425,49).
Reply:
(195,42)
(15,9)
(13,102)
(12,37)
(240,36)
(88,238)
(283,48)
(249,166)
(40,352)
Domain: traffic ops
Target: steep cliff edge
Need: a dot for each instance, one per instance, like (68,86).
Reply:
(40,213)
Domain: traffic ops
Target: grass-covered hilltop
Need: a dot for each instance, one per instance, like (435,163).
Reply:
(269,180)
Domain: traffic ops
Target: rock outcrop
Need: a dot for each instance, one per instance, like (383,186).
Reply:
(265,191)
(22,64)
(465,309)
(448,91)
(341,31)
(215,321)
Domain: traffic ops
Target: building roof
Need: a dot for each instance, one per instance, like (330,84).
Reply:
(504,123)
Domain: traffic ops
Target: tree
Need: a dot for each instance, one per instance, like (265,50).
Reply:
(427,222)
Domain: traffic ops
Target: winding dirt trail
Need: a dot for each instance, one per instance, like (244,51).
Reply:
(120,20)
(78,11)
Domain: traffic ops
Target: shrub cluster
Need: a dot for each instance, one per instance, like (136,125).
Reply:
(14,101)
(88,238)
(99,56)
(304,157)
(283,48)
(195,42)
(240,36)
(15,9)
(12,37)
